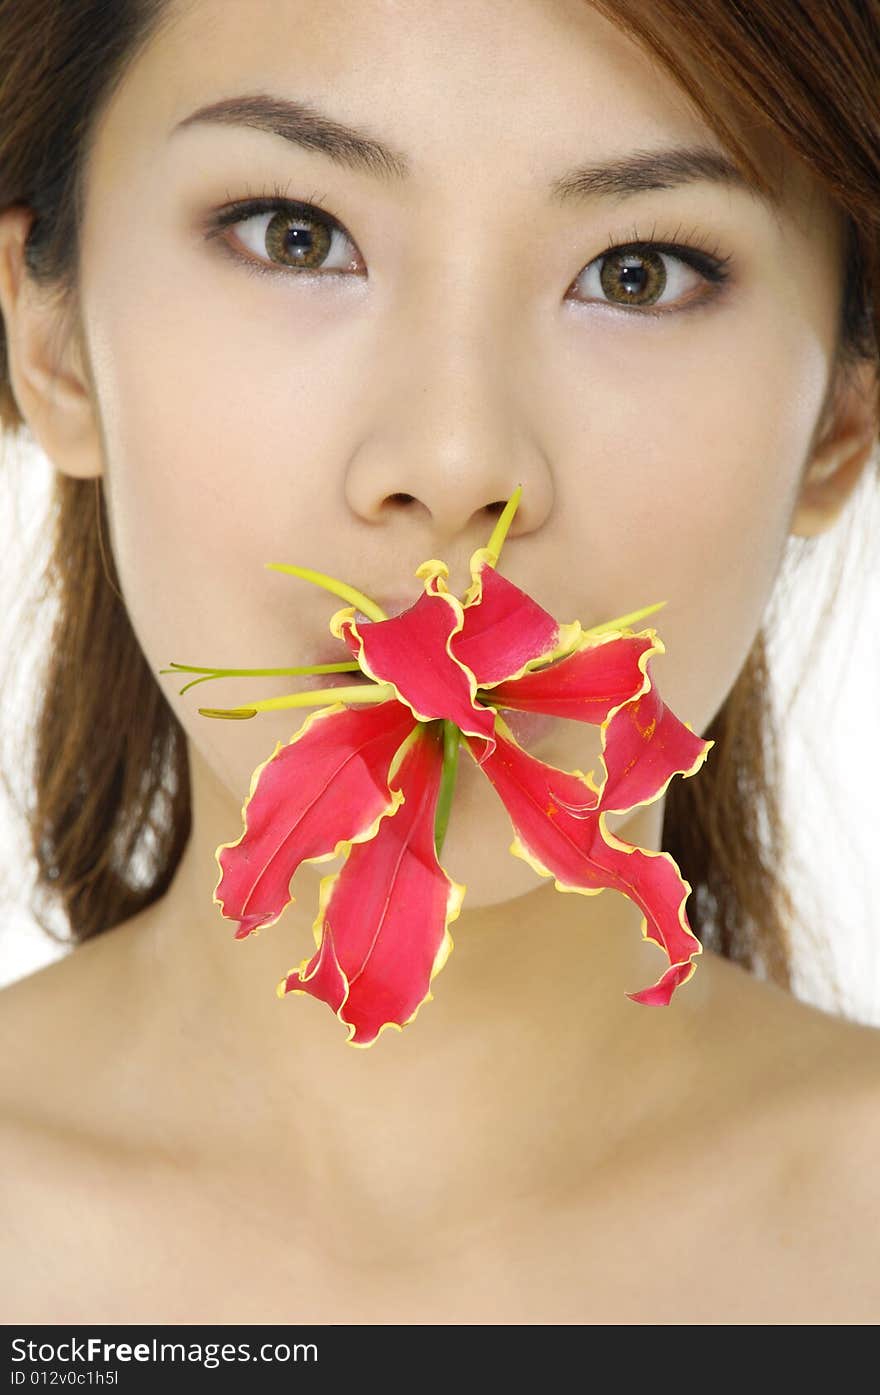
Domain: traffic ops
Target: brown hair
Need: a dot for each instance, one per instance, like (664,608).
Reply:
(108,810)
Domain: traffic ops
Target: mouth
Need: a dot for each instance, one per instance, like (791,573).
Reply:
(339,653)
(345,679)
(337,680)
(527,728)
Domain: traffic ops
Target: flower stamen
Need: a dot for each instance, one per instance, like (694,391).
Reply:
(320,697)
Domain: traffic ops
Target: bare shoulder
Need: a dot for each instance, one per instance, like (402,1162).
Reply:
(842,1179)
(764,1205)
(53,1026)
(823,1074)
(772,1142)
(821,1213)
(58,1027)
(64,1032)
(60,1154)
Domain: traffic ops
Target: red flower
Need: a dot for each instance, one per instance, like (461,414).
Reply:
(370,776)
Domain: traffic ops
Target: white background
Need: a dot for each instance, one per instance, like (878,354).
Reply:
(831,744)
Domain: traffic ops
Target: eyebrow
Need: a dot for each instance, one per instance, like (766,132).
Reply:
(302,124)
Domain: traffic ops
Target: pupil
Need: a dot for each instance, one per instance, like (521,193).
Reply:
(635,272)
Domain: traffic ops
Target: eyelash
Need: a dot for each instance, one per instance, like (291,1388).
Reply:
(707,261)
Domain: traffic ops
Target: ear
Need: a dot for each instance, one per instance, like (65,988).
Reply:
(47,369)
(840,452)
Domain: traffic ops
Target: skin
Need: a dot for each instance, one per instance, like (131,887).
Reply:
(237,420)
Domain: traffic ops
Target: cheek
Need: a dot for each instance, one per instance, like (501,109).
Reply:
(217,423)
(692,464)
(214,466)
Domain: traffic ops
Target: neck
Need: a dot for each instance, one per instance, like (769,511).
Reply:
(527,1067)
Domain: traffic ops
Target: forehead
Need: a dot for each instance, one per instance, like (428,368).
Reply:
(442,75)
(513,91)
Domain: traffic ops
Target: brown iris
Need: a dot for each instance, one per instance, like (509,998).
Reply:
(306,246)
(641,275)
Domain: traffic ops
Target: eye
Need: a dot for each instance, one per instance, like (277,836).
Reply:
(636,276)
(289,236)
(292,237)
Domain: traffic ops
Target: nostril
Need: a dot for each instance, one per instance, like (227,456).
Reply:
(402,498)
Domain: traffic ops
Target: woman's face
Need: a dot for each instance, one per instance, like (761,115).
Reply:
(464,335)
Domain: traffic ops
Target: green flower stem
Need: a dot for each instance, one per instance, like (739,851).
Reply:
(332,583)
(451,739)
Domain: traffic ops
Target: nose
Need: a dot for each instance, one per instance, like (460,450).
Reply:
(448,436)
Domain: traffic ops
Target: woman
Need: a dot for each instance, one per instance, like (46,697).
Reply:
(620,254)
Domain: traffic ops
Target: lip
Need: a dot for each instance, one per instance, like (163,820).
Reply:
(340,654)
(527,727)
(392,605)
(337,651)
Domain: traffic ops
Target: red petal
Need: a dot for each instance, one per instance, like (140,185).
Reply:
(412,652)
(327,785)
(504,629)
(600,674)
(582,856)
(643,746)
(659,993)
(382,926)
